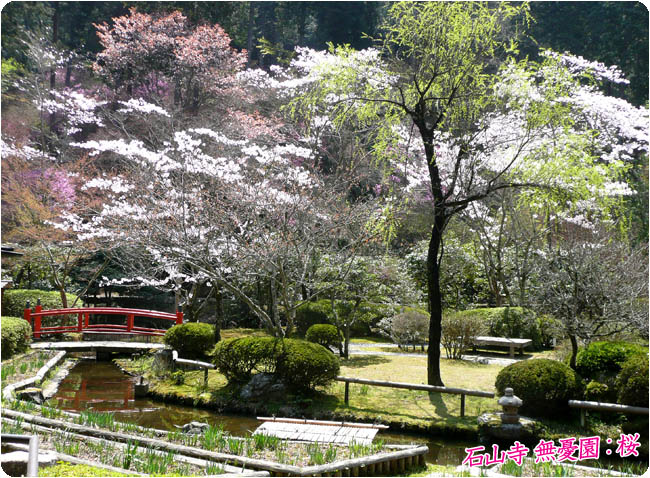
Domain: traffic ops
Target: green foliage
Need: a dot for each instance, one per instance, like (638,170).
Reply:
(14,301)
(312,313)
(239,358)
(305,365)
(512,322)
(324,334)
(65,469)
(191,340)
(599,392)
(369,314)
(605,358)
(632,381)
(299,364)
(178,377)
(16,335)
(544,385)
(11,70)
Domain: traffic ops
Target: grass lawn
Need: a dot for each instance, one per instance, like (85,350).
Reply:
(414,408)
(410,406)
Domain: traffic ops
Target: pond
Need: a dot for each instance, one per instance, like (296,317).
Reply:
(102,386)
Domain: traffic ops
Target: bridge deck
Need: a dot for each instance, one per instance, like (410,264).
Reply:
(104,346)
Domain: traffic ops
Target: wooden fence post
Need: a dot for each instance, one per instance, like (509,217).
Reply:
(80,322)
(462,404)
(129,322)
(347,393)
(179,315)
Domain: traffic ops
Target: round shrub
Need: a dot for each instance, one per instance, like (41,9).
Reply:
(298,363)
(305,365)
(326,335)
(238,358)
(600,359)
(311,313)
(16,335)
(632,381)
(191,340)
(544,385)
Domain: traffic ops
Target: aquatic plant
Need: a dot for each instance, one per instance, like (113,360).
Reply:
(330,454)
(264,441)
(235,446)
(50,412)
(129,454)
(7,371)
(212,438)
(315,453)
(214,469)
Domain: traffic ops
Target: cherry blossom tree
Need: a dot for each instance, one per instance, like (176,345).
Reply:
(451,126)
(164,55)
(205,208)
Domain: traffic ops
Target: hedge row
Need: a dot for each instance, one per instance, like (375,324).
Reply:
(16,335)
(320,312)
(297,363)
(14,300)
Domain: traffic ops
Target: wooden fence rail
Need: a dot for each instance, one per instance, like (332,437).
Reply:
(605,407)
(415,386)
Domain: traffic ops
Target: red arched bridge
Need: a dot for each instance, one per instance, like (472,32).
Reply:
(83,323)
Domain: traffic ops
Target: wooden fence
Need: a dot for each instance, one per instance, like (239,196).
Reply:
(414,386)
(605,407)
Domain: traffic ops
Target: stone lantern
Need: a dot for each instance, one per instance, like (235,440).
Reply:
(510,404)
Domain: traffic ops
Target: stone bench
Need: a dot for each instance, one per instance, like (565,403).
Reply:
(512,344)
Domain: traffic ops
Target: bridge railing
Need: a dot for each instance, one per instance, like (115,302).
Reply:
(34,317)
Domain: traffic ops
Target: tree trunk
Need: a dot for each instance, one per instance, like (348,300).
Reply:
(435,301)
(218,296)
(574,351)
(64,298)
(249,39)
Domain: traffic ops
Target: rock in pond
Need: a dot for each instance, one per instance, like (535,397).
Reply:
(194,428)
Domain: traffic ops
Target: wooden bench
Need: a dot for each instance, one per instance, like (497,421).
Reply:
(512,344)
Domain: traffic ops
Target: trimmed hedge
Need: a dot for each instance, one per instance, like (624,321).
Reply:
(16,335)
(632,381)
(298,363)
(544,385)
(326,335)
(305,365)
(512,322)
(600,359)
(191,339)
(13,301)
(238,358)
